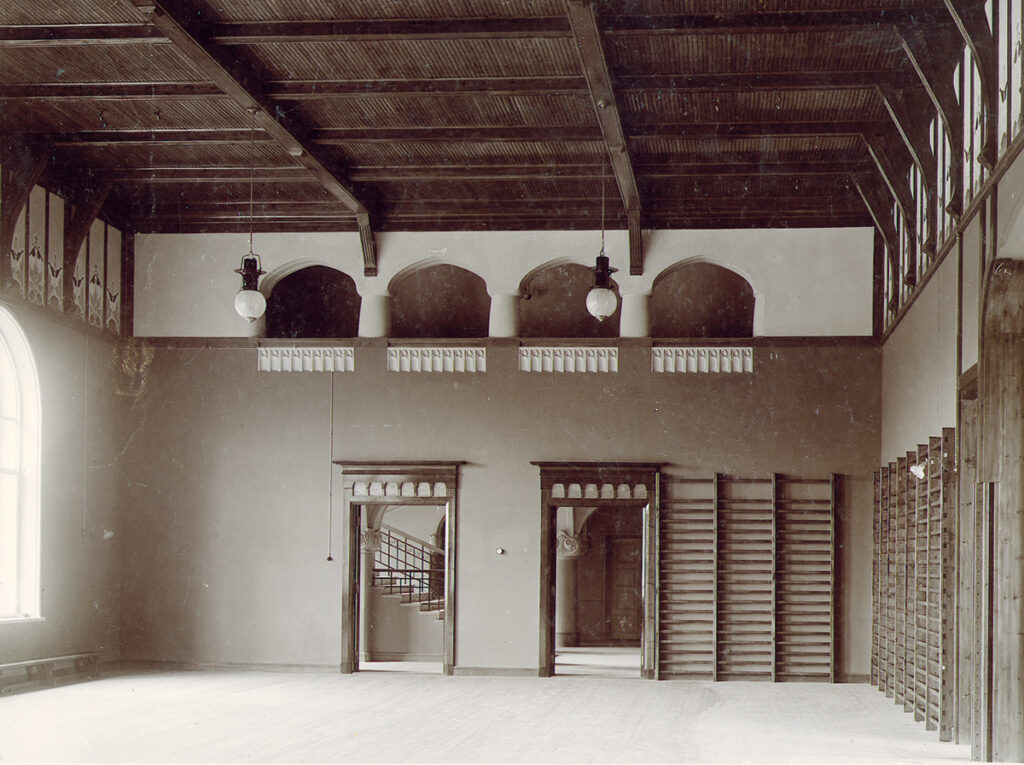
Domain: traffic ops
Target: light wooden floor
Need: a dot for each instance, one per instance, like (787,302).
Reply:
(236,716)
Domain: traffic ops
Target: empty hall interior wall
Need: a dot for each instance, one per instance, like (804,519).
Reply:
(85,402)
(228,533)
(919,367)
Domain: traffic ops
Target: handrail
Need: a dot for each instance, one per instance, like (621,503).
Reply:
(406,566)
(411,538)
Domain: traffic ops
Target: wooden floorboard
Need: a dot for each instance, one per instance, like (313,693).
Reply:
(253,716)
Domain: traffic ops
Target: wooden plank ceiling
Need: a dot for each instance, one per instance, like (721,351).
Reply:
(470,114)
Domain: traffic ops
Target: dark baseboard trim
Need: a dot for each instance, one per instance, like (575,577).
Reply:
(494,672)
(396,656)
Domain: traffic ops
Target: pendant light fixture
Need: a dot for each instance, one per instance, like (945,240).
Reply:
(249,302)
(602,300)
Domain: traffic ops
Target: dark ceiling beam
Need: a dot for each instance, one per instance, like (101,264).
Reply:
(21,166)
(587,36)
(972,22)
(929,54)
(758,21)
(880,205)
(529,133)
(162,136)
(306,90)
(388,30)
(911,113)
(552,172)
(588,133)
(281,174)
(173,225)
(893,169)
(241,80)
(116,91)
(64,35)
(78,219)
(743,81)
(301,90)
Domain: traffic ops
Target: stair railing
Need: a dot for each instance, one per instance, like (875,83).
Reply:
(407,566)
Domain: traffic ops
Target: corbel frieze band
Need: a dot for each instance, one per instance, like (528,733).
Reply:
(437,359)
(306,360)
(702,360)
(568,359)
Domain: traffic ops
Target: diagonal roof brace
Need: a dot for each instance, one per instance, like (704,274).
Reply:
(587,35)
(240,81)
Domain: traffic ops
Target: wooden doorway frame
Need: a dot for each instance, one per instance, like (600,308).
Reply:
(608,484)
(394,483)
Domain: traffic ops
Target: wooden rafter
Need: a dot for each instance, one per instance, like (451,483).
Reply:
(909,110)
(587,35)
(893,169)
(327,89)
(970,19)
(937,80)
(240,81)
(78,219)
(880,205)
(526,133)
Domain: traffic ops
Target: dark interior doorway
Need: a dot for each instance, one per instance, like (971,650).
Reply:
(599,593)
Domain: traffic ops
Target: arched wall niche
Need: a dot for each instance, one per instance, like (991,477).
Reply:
(698,298)
(313,301)
(553,303)
(439,300)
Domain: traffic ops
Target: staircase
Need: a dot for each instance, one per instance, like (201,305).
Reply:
(410,569)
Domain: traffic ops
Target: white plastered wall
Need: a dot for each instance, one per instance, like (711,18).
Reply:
(805,281)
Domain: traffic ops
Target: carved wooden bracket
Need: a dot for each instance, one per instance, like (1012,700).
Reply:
(78,219)
(22,163)
(936,75)
(970,19)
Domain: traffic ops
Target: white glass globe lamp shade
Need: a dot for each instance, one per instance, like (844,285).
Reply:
(602,300)
(249,302)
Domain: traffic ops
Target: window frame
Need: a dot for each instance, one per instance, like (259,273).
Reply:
(25,591)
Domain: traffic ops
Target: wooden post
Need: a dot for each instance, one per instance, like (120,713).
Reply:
(1001,387)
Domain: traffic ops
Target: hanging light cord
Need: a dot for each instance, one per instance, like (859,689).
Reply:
(602,208)
(252,170)
(330,486)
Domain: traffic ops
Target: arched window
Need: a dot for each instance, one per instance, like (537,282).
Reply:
(316,301)
(553,303)
(701,300)
(19,474)
(439,301)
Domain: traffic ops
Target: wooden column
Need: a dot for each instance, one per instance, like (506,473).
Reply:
(1001,384)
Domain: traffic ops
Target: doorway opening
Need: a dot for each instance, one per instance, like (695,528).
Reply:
(398,592)
(599,553)
(402,588)
(599,610)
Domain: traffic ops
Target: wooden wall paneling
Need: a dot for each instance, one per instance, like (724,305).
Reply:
(967,445)
(774,563)
(932,579)
(805,572)
(876,554)
(910,584)
(833,509)
(947,584)
(744,579)
(687,579)
(884,574)
(919,497)
(892,599)
(902,567)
